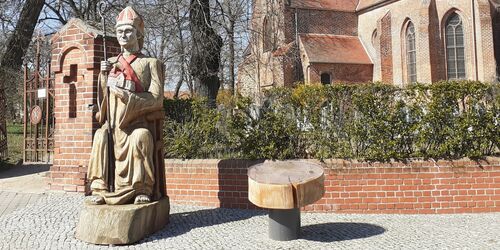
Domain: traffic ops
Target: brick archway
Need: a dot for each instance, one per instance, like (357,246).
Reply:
(69,49)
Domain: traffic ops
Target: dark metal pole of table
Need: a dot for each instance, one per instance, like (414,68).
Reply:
(284,224)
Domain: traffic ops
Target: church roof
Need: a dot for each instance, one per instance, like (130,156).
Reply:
(363,4)
(339,5)
(321,48)
(91,28)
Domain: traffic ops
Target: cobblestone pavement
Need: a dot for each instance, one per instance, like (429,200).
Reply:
(50,224)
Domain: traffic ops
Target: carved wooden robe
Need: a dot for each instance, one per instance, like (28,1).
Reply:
(132,134)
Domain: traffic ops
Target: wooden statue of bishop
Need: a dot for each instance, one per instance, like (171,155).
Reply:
(135,85)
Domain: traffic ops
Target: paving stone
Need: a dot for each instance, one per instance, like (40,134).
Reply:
(50,224)
(11,201)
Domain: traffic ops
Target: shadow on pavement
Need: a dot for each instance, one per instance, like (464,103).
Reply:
(331,232)
(20,170)
(181,223)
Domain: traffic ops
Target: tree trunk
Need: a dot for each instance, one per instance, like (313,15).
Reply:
(231,57)
(183,55)
(285,184)
(11,59)
(205,54)
(20,40)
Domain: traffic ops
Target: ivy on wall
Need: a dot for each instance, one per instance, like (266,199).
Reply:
(368,121)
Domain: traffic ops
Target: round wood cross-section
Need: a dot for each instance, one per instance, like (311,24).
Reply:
(285,184)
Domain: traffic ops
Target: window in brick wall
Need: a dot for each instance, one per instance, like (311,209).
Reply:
(411,53)
(374,37)
(455,48)
(496,40)
(326,78)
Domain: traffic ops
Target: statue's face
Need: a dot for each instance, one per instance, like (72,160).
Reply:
(127,36)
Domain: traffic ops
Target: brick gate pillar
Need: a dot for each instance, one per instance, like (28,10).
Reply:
(77,50)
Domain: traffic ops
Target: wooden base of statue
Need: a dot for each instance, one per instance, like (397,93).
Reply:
(284,187)
(121,224)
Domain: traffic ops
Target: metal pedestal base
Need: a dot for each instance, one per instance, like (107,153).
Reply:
(284,224)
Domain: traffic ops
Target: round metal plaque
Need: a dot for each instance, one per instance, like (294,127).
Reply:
(35,115)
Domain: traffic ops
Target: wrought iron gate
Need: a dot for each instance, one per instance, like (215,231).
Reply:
(39,121)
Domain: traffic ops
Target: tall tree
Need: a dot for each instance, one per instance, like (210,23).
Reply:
(182,49)
(205,52)
(19,41)
(233,13)
(12,55)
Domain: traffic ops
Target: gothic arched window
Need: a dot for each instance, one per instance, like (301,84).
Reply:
(374,37)
(455,48)
(411,53)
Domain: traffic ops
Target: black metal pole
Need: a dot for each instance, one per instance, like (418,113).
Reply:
(284,224)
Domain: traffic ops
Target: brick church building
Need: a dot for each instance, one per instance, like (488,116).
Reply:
(393,41)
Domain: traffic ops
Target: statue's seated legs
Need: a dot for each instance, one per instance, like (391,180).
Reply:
(134,169)
(140,160)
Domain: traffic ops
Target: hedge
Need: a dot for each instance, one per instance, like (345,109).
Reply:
(374,121)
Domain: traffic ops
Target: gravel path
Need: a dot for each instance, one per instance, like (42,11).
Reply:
(50,224)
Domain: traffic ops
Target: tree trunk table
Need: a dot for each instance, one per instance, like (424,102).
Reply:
(284,187)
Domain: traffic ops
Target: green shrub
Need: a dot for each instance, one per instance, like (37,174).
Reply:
(191,131)
(459,119)
(369,121)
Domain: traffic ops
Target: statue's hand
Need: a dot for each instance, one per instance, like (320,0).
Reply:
(105,66)
(121,93)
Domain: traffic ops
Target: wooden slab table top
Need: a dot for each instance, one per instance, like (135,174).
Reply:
(285,184)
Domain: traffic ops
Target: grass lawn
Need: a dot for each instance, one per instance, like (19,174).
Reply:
(15,144)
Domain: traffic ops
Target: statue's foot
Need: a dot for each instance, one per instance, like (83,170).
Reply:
(142,199)
(95,200)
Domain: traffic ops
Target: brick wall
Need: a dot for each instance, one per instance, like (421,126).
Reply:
(386,48)
(327,22)
(76,55)
(213,183)
(428,187)
(346,73)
